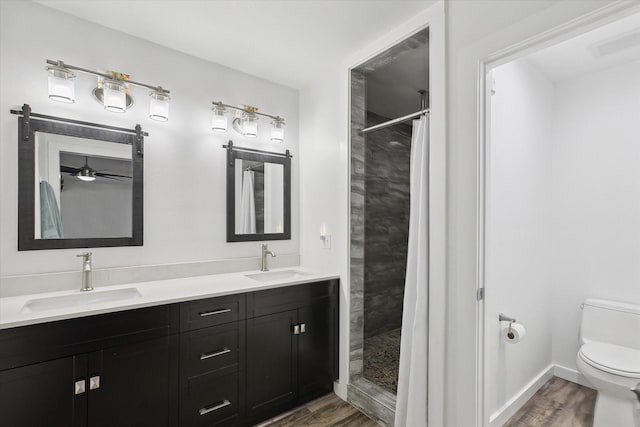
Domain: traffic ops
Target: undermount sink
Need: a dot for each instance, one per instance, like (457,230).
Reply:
(80,298)
(277,275)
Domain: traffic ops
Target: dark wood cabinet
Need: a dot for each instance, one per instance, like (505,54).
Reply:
(229,361)
(133,378)
(291,355)
(272,364)
(112,369)
(317,348)
(33,394)
(212,361)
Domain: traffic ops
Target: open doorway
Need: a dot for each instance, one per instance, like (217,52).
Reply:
(387,93)
(561,208)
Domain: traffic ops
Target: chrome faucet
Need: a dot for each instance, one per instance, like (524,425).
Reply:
(265,251)
(86,272)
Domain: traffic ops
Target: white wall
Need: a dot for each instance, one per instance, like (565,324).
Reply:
(518,245)
(476,30)
(184,216)
(596,198)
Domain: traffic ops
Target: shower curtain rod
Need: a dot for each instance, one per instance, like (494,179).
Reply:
(394,121)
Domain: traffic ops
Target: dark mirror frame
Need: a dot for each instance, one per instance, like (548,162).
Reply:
(283,159)
(27,128)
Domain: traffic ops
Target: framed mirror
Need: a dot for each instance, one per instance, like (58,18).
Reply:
(258,195)
(79,184)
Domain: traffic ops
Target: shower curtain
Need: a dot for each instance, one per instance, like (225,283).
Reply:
(248,205)
(411,402)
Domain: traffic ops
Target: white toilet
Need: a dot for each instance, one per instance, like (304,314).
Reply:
(609,359)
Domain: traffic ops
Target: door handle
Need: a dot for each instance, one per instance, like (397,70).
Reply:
(296,329)
(303,328)
(80,386)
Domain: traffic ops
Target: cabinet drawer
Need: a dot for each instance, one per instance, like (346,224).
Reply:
(210,312)
(212,401)
(288,298)
(213,349)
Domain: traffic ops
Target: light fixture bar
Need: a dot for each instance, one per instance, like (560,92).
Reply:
(247,110)
(62,64)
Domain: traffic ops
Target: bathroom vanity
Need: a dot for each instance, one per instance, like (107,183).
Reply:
(213,357)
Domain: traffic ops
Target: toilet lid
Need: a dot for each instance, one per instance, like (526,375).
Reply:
(612,358)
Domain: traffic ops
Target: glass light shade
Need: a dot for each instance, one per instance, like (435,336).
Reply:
(250,125)
(159,106)
(86,174)
(219,119)
(114,96)
(61,86)
(277,131)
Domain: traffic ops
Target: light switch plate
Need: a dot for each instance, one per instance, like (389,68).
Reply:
(326,241)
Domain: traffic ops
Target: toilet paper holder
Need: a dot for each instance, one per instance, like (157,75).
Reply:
(503,318)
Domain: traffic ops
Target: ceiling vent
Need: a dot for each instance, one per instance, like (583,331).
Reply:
(618,44)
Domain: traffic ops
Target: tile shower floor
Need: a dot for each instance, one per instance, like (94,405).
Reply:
(382,359)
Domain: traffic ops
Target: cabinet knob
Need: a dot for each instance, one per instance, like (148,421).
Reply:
(79,386)
(303,328)
(296,329)
(94,382)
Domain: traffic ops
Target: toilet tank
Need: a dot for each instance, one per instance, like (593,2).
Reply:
(611,322)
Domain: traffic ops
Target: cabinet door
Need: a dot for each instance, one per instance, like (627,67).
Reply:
(44,394)
(271,363)
(316,348)
(132,387)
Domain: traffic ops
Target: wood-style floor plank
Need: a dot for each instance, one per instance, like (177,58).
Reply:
(557,403)
(326,411)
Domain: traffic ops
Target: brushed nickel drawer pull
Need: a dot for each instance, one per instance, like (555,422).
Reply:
(211,313)
(205,410)
(205,356)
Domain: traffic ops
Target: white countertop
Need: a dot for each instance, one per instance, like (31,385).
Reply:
(153,293)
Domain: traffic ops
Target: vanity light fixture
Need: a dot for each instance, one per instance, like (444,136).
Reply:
(159,106)
(246,121)
(60,83)
(219,119)
(114,96)
(277,130)
(113,93)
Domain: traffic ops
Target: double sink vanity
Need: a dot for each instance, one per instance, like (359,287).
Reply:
(225,349)
(228,349)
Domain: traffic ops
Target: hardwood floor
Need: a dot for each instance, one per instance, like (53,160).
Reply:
(326,411)
(557,403)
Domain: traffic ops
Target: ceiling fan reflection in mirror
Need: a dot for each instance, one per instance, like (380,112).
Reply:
(87,173)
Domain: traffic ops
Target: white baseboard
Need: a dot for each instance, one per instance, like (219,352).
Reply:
(570,375)
(499,417)
(340,389)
